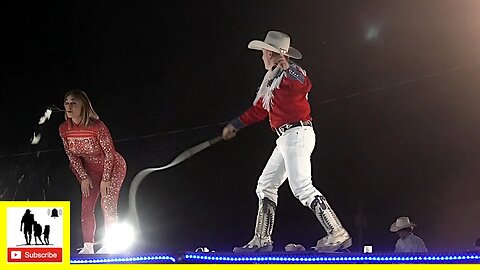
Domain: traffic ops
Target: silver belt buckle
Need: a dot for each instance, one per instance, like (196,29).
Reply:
(284,128)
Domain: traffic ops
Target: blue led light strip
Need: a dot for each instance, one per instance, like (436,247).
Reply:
(287,258)
(153,258)
(330,259)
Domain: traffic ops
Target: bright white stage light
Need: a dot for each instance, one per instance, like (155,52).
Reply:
(119,238)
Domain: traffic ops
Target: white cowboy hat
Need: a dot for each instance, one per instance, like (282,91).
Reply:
(402,223)
(276,42)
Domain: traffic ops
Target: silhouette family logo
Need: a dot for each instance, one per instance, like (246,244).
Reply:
(34,234)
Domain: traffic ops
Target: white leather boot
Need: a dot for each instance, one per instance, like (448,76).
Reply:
(337,237)
(87,249)
(262,241)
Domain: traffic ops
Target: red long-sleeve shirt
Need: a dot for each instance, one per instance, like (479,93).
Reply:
(290,101)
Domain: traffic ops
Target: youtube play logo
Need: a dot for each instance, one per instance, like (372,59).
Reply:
(16,254)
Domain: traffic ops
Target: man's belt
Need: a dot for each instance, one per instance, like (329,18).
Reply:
(283,128)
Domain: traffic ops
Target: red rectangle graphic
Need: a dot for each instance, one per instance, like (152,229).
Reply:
(22,255)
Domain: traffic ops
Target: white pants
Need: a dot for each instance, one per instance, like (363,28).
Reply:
(290,159)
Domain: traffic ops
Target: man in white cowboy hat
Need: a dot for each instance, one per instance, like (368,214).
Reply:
(283,98)
(408,242)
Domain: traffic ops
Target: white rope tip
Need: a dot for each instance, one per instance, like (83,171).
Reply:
(45,116)
(36,138)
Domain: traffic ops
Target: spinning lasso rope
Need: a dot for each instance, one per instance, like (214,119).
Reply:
(132,211)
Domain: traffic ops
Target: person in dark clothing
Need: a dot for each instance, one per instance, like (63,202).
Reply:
(27,224)
(46,234)
(37,232)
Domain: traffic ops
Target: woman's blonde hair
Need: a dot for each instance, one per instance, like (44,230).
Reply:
(87,112)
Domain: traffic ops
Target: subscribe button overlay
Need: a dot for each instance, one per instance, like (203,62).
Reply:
(21,255)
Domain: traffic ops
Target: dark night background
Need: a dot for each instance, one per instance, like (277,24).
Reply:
(395,108)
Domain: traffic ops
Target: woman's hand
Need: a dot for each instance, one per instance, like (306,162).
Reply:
(86,185)
(105,188)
